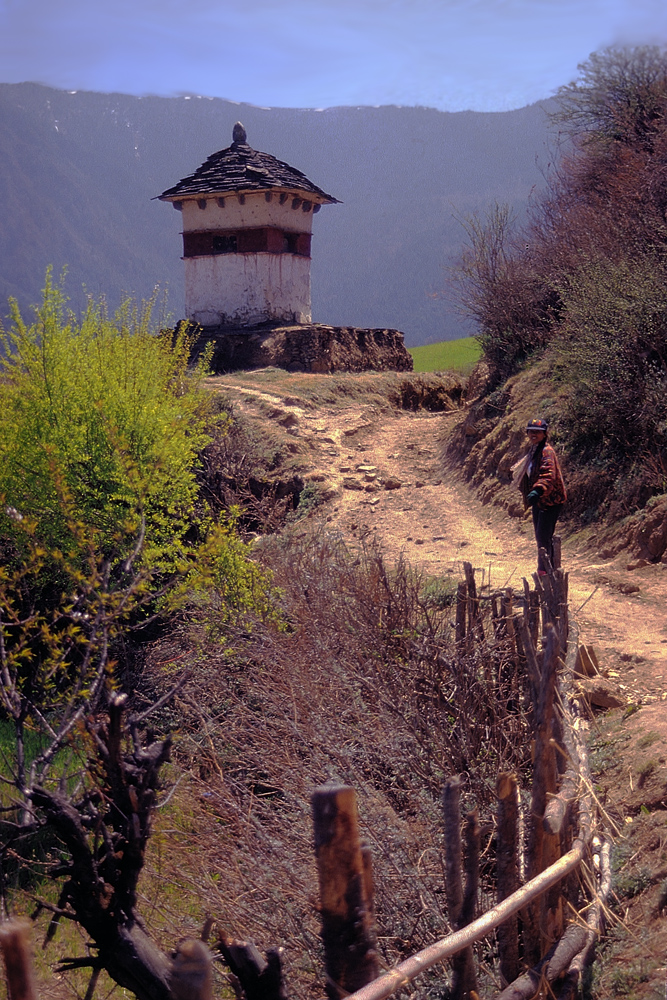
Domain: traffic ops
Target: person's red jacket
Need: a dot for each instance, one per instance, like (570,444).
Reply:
(545,477)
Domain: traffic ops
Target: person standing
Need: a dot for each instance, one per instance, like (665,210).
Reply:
(540,480)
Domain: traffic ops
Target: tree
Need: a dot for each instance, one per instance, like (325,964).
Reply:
(611,354)
(583,282)
(101,422)
(620,95)
(101,520)
(105,828)
(503,290)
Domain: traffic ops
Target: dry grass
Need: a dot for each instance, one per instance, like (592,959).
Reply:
(387,390)
(361,686)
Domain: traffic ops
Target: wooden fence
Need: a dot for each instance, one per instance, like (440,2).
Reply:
(547,927)
(550,896)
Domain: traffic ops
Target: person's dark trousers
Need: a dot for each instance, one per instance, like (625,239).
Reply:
(544,522)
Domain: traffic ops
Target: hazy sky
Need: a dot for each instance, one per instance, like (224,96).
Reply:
(448,54)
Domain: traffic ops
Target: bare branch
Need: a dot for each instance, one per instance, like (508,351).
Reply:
(136,720)
(129,562)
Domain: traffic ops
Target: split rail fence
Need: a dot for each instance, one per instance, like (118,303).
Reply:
(546,923)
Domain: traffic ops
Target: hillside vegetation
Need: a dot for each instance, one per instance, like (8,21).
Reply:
(311,651)
(205,582)
(103,529)
(572,306)
(273,667)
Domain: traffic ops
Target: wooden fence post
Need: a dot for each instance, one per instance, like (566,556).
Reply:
(472,594)
(543,920)
(532,663)
(464,979)
(473,837)
(15,942)
(345,878)
(461,607)
(507,872)
(509,666)
(534,615)
(563,612)
(475,625)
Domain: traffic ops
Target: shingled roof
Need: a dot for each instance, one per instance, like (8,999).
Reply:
(241,168)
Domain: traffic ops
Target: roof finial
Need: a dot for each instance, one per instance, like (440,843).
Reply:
(239,133)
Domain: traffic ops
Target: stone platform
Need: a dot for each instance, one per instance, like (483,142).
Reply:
(311,347)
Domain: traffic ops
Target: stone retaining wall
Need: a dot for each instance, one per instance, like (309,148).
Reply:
(312,347)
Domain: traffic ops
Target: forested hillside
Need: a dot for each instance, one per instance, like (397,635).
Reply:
(78,172)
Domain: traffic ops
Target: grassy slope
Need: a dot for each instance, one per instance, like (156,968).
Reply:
(448,355)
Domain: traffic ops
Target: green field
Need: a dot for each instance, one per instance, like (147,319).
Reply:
(448,355)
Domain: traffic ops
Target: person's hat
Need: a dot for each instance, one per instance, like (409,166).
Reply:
(537,425)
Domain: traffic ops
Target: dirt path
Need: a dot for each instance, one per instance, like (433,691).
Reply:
(357,451)
(383,473)
(438,523)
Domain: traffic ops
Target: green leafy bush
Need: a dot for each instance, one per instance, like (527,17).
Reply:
(223,587)
(101,520)
(100,425)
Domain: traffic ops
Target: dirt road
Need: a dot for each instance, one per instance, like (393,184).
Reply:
(438,523)
(385,470)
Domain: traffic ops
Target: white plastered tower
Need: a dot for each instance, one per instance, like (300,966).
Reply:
(247,224)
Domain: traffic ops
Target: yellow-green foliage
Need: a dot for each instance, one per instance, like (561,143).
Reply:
(101,422)
(449,355)
(224,584)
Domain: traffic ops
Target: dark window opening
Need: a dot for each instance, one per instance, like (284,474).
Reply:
(225,243)
(290,242)
(265,239)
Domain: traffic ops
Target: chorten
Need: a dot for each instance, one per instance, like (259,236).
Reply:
(247,225)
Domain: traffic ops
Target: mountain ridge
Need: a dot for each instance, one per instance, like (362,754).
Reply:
(80,171)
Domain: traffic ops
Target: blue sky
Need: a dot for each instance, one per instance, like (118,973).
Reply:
(449,54)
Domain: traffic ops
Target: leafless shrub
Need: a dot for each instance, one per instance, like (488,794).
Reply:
(362,684)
